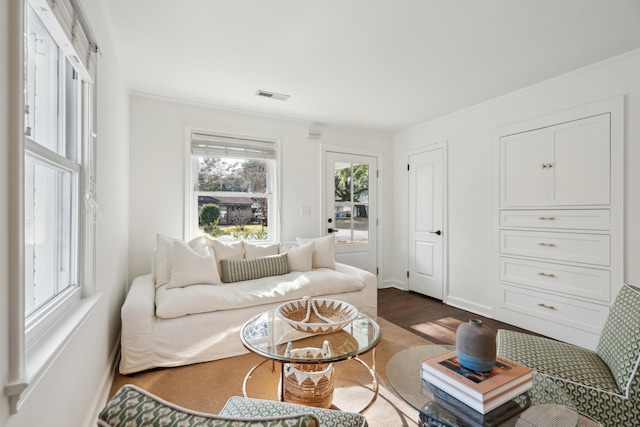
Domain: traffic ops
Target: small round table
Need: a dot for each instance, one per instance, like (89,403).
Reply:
(268,335)
(545,405)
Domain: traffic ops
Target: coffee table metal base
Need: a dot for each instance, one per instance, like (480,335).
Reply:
(371,369)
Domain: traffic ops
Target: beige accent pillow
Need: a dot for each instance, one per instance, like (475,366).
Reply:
(222,250)
(323,251)
(164,255)
(190,267)
(258,251)
(299,258)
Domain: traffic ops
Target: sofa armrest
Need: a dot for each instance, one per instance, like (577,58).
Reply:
(138,316)
(139,308)
(370,290)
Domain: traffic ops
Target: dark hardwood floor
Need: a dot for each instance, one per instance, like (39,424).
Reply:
(428,317)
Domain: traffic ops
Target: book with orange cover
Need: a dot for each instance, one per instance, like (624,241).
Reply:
(482,386)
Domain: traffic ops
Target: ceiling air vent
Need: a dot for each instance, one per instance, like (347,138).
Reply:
(272,95)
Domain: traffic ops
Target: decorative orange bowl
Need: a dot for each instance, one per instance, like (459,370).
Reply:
(317,316)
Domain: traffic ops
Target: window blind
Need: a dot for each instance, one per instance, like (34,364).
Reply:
(232,147)
(66,23)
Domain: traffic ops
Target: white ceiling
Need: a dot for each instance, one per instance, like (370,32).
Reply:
(383,64)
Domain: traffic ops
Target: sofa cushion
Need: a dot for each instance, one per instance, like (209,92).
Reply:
(236,270)
(299,258)
(323,251)
(190,267)
(164,256)
(252,250)
(225,250)
(178,302)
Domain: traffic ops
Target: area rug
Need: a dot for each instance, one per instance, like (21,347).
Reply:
(207,386)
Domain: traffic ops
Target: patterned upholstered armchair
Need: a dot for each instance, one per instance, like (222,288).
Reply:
(604,384)
(133,406)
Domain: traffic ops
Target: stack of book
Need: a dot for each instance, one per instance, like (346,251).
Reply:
(482,391)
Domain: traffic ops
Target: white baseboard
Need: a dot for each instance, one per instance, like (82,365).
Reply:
(482,310)
(394,284)
(103,390)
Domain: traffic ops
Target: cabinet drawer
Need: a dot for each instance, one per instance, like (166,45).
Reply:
(565,311)
(573,247)
(580,281)
(597,219)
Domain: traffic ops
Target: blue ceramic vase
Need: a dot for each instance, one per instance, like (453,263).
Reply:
(476,346)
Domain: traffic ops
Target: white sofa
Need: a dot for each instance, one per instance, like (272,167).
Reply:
(164,325)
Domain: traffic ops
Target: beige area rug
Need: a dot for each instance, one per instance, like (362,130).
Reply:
(207,386)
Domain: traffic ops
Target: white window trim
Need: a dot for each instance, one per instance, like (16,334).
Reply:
(191,195)
(47,338)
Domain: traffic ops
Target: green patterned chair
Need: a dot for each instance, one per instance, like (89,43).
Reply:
(604,384)
(132,406)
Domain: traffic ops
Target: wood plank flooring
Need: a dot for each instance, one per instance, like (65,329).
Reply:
(428,317)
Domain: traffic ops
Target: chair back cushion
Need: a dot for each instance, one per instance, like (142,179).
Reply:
(619,345)
(133,406)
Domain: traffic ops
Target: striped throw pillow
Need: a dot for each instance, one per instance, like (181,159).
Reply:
(236,270)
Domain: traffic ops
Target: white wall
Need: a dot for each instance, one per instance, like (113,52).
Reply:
(74,386)
(158,161)
(470,137)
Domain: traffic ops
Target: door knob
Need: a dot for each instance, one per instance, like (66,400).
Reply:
(331,230)
(436,232)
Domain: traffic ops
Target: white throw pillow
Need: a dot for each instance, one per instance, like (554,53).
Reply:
(222,250)
(299,258)
(190,267)
(164,255)
(259,251)
(323,251)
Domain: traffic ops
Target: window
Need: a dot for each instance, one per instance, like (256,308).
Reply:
(57,206)
(234,180)
(52,168)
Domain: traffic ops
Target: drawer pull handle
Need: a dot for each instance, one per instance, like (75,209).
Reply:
(547,218)
(546,274)
(550,307)
(551,245)
(547,165)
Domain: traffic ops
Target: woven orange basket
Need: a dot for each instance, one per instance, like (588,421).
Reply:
(309,384)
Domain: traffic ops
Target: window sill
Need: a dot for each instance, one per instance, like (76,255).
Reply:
(44,353)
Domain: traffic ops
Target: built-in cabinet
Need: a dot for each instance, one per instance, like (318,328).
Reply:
(558,225)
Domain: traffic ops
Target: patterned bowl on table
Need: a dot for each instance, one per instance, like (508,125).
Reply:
(317,316)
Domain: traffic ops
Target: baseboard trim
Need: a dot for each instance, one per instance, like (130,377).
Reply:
(101,397)
(394,284)
(466,305)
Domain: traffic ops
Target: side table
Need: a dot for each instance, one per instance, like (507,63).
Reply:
(545,405)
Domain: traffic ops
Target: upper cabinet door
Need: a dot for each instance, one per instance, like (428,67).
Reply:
(523,180)
(582,162)
(562,165)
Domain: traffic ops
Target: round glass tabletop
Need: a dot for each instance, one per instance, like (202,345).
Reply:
(268,335)
(545,404)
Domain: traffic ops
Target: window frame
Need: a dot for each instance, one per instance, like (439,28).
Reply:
(36,343)
(191,222)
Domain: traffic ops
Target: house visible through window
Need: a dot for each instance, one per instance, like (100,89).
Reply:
(234,181)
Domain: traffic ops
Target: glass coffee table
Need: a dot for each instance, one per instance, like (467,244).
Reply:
(545,404)
(269,336)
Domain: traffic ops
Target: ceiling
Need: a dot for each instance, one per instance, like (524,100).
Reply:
(379,64)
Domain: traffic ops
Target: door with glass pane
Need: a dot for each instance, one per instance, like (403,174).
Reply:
(351,208)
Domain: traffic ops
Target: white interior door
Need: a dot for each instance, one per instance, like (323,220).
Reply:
(426,222)
(351,213)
